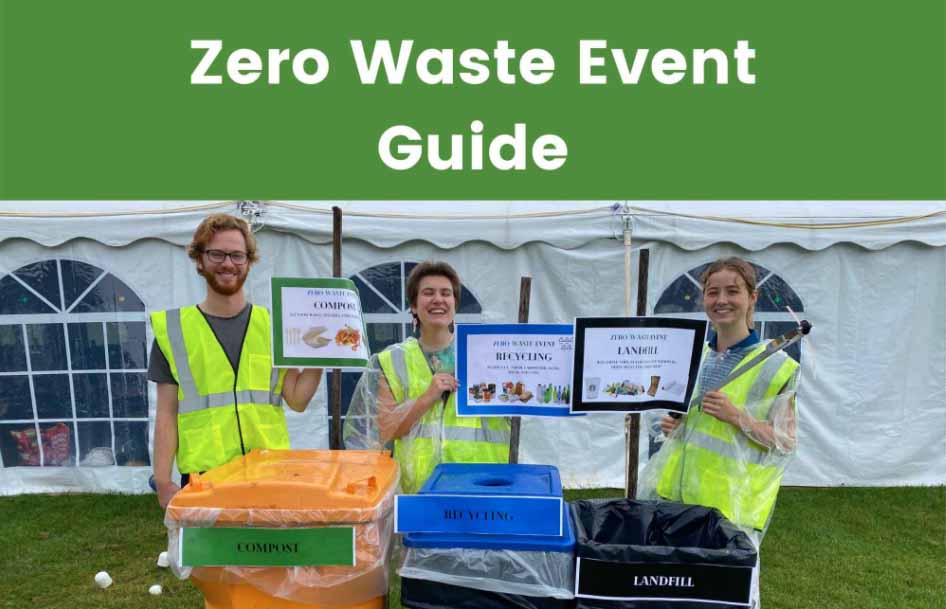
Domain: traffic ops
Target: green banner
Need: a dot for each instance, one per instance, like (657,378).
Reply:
(202,547)
(491,100)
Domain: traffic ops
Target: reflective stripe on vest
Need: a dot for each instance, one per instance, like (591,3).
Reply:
(221,414)
(713,463)
(461,439)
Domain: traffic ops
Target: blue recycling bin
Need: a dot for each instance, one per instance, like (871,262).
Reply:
(519,554)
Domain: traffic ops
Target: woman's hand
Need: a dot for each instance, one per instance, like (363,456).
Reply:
(716,404)
(442,381)
(668,424)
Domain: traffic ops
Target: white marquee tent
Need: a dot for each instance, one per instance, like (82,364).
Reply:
(77,277)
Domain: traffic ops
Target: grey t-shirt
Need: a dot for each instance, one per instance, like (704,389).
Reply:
(230,331)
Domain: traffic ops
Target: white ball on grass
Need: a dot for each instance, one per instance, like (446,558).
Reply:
(103,580)
(155,590)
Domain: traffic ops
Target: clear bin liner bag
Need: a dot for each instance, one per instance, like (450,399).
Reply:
(329,586)
(422,594)
(548,574)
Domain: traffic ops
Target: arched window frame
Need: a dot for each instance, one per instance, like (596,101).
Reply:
(64,314)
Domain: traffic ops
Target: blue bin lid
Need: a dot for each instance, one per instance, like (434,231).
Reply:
(494,479)
(531,543)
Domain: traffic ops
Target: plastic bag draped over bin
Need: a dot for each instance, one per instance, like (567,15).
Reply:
(421,594)
(286,489)
(713,463)
(525,568)
(659,555)
(509,565)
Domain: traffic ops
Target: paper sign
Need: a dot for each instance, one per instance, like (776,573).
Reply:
(630,364)
(227,546)
(514,369)
(317,323)
(651,582)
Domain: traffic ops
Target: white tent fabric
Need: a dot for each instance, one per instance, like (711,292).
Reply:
(870,274)
(753,226)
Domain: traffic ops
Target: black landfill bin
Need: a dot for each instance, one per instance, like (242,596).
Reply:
(659,555)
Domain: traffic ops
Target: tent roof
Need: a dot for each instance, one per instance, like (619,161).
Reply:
(691,225)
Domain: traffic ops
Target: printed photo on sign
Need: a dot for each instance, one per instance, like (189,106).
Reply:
(629,364)
(317,323)
(514,369)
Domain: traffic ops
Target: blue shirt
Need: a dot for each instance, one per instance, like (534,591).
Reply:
(717,365)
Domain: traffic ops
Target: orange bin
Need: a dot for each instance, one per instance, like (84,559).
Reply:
(293,489)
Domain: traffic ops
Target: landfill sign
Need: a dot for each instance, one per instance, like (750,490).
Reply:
(317,323)
(630,364)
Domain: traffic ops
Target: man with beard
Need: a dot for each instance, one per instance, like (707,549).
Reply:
(218,394)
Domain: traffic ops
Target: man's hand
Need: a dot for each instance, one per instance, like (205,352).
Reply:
(166,491)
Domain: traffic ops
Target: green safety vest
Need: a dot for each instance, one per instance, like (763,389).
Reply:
(221,414)
(714,464)
(462,439)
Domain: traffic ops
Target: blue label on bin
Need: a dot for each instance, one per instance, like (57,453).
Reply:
(478,514)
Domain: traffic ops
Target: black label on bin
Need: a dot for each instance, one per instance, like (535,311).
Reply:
(697,582)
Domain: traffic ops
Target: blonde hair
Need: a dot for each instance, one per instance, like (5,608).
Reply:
(216,223)
(741,268)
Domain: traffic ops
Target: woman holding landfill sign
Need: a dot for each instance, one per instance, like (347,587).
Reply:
(408,393)
(730,450)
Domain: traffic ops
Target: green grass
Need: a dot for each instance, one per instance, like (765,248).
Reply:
(826,549)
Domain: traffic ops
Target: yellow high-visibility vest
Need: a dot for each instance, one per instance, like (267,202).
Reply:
(221,413)
(714,464)
(460,439)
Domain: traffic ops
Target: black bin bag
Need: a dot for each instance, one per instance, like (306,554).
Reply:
(659,555)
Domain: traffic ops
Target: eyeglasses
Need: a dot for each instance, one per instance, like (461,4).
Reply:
(219,256)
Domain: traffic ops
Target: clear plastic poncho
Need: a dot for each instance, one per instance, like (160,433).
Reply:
(734,468)
(375,419)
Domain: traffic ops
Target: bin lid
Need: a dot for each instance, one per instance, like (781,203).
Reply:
(530,543)
(289,487)
(494,479)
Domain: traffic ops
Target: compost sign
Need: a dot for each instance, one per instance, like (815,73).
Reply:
(514,369)
(317,323)
(630,364)
(223,547)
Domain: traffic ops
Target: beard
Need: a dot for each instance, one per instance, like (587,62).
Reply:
(224,290)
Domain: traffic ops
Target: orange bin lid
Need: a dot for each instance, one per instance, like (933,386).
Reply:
(289,488)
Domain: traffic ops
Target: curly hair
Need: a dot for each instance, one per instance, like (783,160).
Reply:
(215,223)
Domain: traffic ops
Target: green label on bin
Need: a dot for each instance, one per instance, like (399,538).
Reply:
(219,547)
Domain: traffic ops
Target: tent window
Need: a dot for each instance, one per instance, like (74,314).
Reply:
(683,298)
(387,315)
(72,368)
